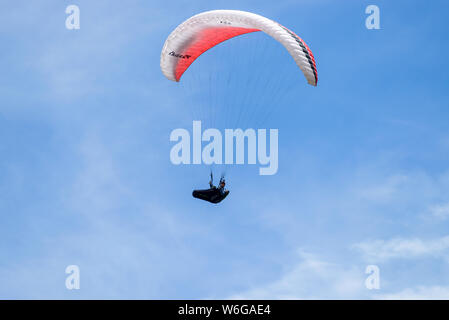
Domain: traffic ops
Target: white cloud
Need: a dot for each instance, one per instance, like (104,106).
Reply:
(311,278)
(315,278)
(418,293)
(382,250)
(386,190)
(440,211)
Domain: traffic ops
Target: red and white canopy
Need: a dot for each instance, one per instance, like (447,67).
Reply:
(205,30)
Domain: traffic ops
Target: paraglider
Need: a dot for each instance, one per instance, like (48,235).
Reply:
(204,31)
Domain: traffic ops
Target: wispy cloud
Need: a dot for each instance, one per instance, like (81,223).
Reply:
(383,250)
(384,191)
(440,211)
(311,278)
(418,293)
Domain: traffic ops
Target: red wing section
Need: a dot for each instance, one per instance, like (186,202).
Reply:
(207,39)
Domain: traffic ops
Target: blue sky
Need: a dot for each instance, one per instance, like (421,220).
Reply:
(85,175)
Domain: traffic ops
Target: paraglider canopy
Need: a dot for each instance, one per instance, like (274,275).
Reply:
(205,30)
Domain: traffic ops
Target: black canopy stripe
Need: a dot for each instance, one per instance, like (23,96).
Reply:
(304,49)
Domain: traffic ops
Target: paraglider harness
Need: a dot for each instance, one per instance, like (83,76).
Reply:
(214,194)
